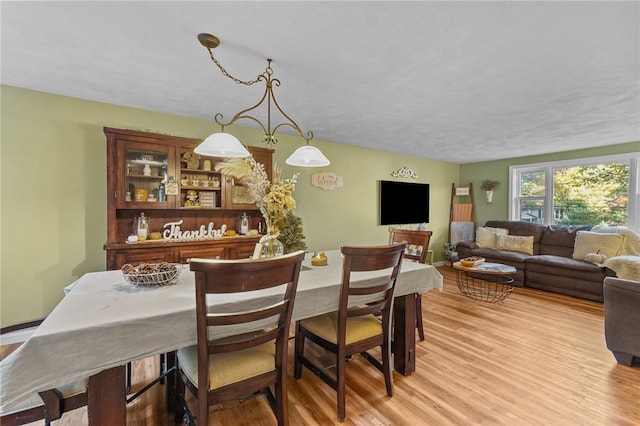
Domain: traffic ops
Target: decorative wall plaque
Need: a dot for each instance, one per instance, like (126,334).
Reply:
(326,180)
(404,172)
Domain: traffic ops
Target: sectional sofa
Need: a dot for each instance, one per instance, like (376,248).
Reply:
(547,257)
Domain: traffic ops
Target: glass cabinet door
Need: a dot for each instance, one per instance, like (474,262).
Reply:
(145,172)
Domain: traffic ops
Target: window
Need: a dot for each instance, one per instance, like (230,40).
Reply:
(588,191)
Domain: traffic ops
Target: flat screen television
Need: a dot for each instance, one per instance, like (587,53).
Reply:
(403,202)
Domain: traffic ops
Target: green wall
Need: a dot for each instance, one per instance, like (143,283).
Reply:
(53,191)
(499,170)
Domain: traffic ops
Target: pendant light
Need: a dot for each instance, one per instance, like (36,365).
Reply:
(307,156)
(226,145)
(222,145)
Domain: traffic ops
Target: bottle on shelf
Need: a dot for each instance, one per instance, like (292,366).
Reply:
(161,192)
(244,224)
(141,226)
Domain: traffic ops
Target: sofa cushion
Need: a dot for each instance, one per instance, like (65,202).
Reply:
(515,243)
(562,266)
(501,256)
(594,242)
(558,240)
(486,236)
(521,228)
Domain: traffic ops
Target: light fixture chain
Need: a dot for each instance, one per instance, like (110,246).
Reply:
(224,72)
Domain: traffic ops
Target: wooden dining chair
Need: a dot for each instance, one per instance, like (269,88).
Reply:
(417,250)
(355,329)
(47,405)
(217,371)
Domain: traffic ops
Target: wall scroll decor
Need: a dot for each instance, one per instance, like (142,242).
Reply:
(326,181)
(404,172)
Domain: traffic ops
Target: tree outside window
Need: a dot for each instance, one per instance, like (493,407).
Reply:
(592,195)
(596,191)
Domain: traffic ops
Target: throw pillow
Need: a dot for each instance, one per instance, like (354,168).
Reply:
(592,242)
(515,243)
(486,236)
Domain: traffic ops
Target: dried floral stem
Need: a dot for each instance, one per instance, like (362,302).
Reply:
(274,199)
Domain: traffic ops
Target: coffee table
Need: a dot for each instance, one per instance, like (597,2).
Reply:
(488,282)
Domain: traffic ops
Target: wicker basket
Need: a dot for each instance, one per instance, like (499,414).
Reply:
(169,275)
(469,263)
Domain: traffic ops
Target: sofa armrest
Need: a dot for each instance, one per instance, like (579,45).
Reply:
(616,284)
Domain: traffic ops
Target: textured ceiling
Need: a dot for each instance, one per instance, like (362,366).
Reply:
(451,81)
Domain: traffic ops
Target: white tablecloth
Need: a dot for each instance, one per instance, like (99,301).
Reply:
(104,322)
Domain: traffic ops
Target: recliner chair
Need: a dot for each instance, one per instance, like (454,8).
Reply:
(622,319)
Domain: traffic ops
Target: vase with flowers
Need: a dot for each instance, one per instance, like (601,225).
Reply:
(275,200)
(489,186)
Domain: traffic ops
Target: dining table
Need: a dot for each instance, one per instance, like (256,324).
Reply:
(103,323)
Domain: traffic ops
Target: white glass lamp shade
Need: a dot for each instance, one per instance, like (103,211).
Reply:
(307,156)
(222,145)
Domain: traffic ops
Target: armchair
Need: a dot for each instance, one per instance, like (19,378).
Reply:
(622,319)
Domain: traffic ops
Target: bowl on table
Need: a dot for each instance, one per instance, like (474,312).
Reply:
(472,261)
(152,274)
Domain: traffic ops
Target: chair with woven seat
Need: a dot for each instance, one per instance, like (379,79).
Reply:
(417,250)
(356,327)
(47,405)
(236,367)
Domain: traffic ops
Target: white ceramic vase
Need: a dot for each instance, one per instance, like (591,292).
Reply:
(489,195)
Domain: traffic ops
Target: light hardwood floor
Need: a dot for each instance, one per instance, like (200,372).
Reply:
(535,359)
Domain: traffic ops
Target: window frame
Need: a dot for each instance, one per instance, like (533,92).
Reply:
(633,207)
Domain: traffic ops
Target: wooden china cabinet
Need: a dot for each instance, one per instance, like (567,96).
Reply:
(160,176)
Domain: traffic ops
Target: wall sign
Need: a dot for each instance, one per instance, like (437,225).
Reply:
(326,181)
(172,231)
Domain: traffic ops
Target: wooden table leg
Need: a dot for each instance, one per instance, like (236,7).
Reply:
(404,334)
(107,398)
(170,362)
